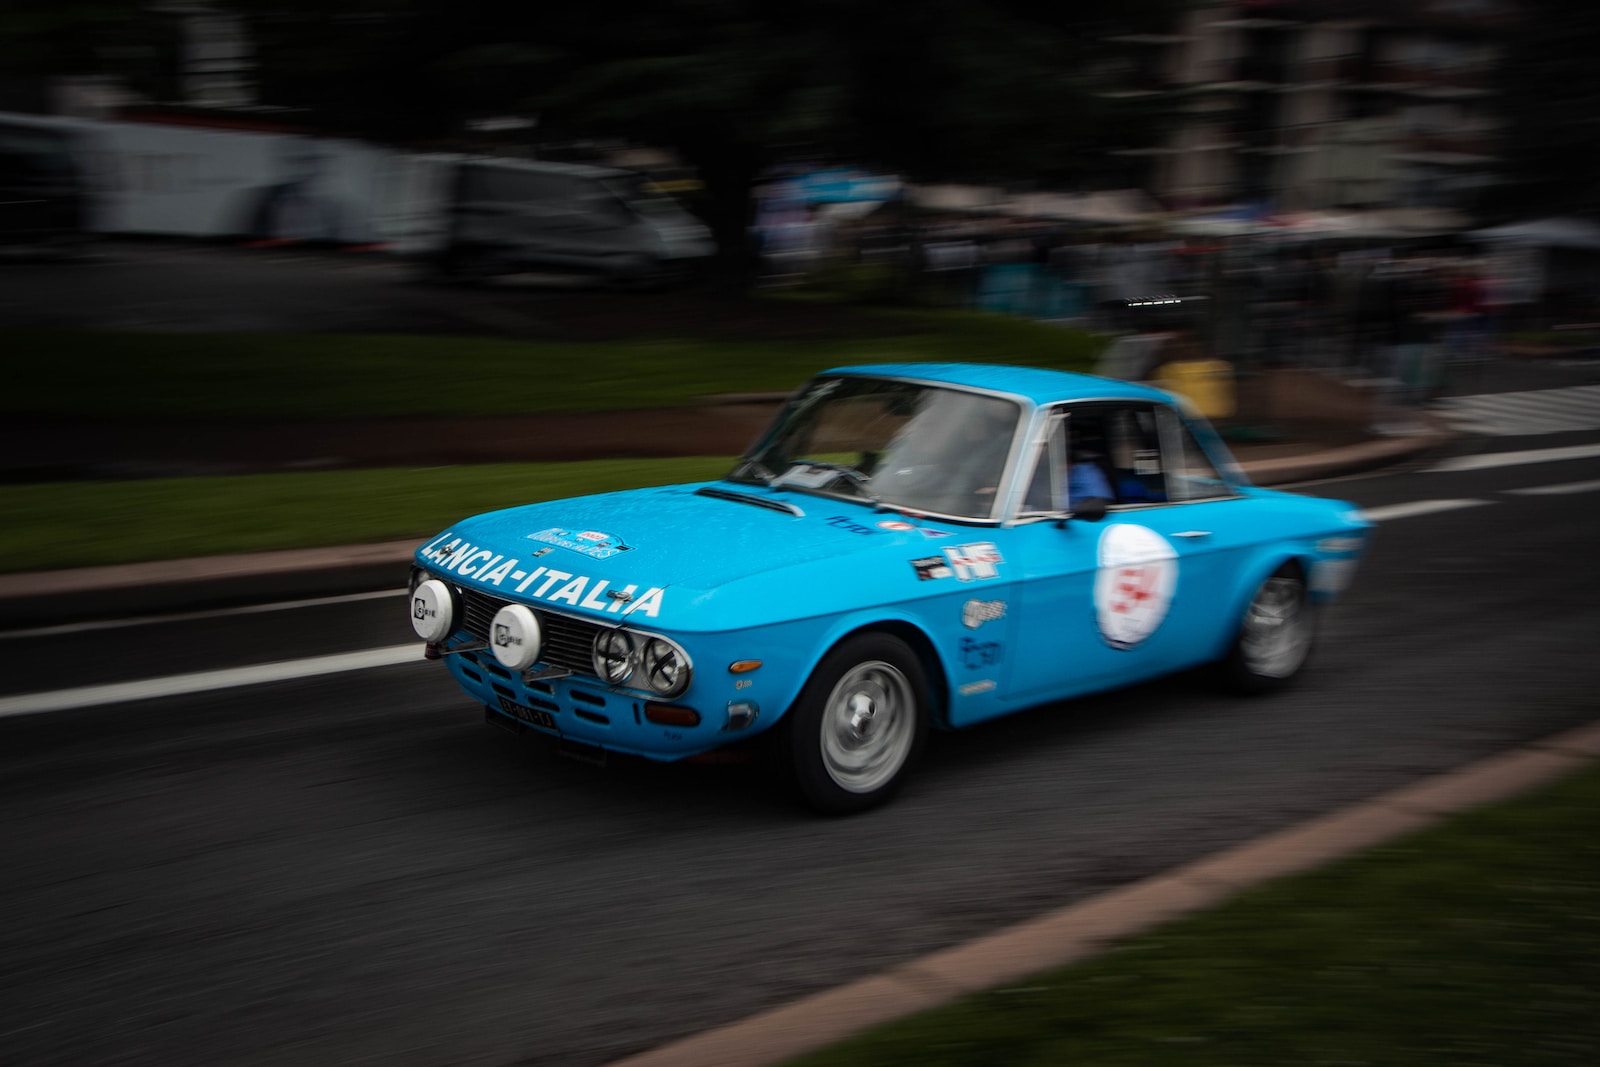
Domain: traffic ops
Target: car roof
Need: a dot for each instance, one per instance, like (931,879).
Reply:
(1037,384)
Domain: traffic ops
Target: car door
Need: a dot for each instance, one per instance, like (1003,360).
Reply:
(1139,592)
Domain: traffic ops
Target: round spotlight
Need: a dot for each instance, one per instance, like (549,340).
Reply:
(516,637)
(614,656)
(434,609)
(665,666)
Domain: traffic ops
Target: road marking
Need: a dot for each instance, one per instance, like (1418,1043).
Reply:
(1556,490)
(1513,459)
(190,616)
(89,696)
(202,681)
(1418,507)
(1538,411)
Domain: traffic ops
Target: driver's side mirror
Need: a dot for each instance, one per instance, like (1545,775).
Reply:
(1091,508)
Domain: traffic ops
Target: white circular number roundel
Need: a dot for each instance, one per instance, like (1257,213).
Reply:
(1134,585)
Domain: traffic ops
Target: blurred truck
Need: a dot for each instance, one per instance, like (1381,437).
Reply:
(472,218)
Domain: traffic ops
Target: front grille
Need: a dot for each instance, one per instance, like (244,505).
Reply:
(568,642)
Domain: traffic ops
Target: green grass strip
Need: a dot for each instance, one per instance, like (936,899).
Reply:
(1475,943)
(321,376)
(82,524)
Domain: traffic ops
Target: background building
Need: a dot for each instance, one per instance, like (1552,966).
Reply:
(1300,105)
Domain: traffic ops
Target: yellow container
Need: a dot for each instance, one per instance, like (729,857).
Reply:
(1205,383)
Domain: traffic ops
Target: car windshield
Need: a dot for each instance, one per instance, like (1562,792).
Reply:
(917,447)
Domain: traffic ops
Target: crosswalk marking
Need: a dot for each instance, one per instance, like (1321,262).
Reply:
(1538,411)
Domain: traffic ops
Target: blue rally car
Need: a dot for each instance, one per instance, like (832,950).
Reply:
(907,547)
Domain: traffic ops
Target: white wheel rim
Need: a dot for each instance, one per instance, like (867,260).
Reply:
(867,726)
(1277,629)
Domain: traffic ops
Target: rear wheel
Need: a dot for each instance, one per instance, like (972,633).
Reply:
(1276,634)
(858,725)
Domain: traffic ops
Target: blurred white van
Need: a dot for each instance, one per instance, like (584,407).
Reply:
(471,218)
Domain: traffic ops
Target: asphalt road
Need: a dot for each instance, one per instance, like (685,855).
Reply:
(354,869)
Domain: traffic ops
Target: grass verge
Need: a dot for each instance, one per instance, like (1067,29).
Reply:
(84,524)
(1477,943)
(320,376)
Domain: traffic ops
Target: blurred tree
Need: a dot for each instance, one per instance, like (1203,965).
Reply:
(1551,97)
(88,37)
(980,90)
(934,90)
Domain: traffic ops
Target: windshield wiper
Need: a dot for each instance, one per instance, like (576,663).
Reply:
(751,465)
(860,480)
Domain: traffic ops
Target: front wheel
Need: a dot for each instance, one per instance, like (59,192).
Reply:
(1275,636)
(858,725)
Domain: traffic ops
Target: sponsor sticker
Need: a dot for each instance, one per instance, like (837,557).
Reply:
(842,522)
(591,543)
(1133,587)
(930,567)
(975,654)
(974,688)
(896,525)
(976,562)
(974,613)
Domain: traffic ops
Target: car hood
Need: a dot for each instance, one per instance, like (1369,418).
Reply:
(619,553)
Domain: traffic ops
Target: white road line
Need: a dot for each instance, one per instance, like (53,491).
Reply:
(1488,460)
(89,696)
(1418,507)
(178,684)
(1556,490)
(190,616)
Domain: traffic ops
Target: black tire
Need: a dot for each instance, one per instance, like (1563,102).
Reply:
(858,726)
(1275,635)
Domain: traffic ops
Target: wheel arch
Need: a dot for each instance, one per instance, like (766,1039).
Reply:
(921,645)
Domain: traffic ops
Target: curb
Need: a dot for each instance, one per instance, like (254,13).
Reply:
(40,597)
(43,597)
(1086,929)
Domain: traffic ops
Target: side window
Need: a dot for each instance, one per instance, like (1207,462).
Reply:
(1114,451)
(1190,473)
(1133,440)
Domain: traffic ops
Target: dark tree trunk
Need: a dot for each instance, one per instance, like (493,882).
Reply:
(729,168)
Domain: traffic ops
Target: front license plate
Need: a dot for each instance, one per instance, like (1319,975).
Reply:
(533,716)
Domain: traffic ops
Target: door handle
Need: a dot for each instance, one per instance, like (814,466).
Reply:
(1192,534)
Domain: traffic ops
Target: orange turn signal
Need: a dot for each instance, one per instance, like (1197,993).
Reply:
(743,666)
(671,715)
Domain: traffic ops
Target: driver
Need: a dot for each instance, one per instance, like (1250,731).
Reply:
(1086,476)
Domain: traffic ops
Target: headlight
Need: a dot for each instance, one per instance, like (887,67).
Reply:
(516,636)
(666,667)
(614,656)
(434,610)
